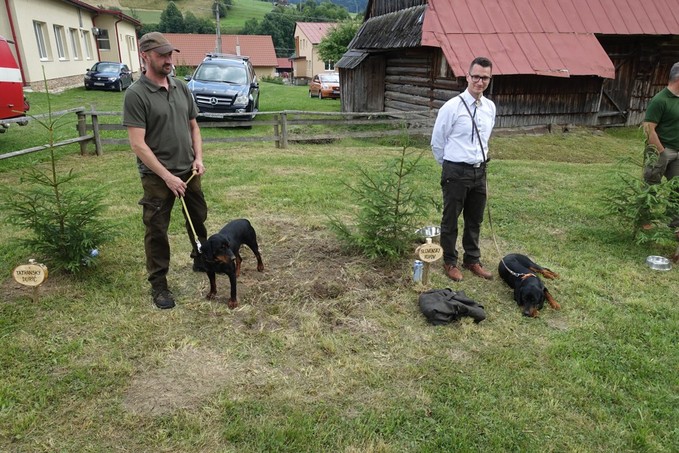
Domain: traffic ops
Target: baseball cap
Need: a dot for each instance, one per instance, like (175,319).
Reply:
(156,41)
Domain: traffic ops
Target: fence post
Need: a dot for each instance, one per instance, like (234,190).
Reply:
(276,131)
(284,130)
(82,129)
(95,131)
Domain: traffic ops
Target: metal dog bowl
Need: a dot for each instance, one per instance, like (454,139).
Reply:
(431,231)
(658,263)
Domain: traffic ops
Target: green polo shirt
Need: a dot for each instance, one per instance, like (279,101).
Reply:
(165,116)
(663,110)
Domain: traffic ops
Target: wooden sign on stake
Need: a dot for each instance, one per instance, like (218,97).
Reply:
(32,274)
(429,253)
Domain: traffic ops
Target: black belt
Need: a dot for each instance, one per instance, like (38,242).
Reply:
(465,164)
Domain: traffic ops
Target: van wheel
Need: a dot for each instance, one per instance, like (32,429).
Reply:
(119,86)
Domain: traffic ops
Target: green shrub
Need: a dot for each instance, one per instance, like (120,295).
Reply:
(646,208)
(277,80)
(63,219)
(389,209)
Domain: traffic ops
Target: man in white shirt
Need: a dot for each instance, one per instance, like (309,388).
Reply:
(459,142)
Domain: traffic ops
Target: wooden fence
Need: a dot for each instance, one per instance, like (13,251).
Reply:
(289,126)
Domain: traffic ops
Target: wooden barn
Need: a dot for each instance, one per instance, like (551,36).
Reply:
(585,62)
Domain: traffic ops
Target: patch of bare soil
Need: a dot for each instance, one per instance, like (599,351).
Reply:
(305,269)
(188,376)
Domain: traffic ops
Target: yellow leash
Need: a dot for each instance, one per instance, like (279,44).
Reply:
(188,217)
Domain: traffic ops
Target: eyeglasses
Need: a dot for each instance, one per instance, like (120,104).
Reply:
(476,78)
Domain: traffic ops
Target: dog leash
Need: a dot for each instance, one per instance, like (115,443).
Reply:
(188,217)
(490,219)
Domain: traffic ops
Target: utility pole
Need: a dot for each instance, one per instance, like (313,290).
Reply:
(218,47)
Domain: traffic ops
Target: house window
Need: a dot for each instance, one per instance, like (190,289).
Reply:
(75,43)
(329,65)
(88,44)
(60,40)
(102,39)
(41,39)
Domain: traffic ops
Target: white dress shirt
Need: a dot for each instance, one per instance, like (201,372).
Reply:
(454,138)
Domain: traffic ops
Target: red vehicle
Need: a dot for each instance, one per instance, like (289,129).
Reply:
(13,104)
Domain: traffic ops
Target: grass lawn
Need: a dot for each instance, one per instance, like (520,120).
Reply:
(328,351)
(148,11)
(273,98)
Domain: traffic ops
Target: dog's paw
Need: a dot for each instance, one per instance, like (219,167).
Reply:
(232,304)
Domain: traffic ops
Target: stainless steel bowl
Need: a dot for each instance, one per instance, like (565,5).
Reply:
(431,231)
(658,263)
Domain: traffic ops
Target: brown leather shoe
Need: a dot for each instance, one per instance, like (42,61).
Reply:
(477,269)
(453,272)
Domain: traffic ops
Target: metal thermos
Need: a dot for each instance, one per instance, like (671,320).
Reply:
(418,270)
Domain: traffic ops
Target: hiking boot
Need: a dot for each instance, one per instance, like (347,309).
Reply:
(453,272)
(163,298)
(477,269)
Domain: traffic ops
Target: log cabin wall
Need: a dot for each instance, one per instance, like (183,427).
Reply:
(416,79)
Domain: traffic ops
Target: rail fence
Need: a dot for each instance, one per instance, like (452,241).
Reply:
(288,126)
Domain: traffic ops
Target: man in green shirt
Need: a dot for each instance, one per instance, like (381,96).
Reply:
(160,117)
(661,125)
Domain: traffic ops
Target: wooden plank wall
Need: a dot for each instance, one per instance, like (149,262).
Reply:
(528,100)
(414,82)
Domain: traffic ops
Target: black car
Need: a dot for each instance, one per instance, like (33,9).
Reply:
(224,84)
(108,75)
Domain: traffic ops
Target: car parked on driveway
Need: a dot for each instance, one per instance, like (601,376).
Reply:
(325,85)
(224,84)
(108,75)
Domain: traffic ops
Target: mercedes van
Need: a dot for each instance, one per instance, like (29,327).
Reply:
(13,104)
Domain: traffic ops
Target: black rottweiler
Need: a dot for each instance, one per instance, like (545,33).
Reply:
(221,255)
(518,271)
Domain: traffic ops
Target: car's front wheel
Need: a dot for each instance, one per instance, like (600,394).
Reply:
(320,94)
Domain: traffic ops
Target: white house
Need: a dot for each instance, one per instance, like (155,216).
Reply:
(64,38)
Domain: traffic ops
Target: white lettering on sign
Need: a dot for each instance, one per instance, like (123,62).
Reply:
(30,274)
(430,252)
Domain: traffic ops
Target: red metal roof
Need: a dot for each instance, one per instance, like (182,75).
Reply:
(546,37)
(284,63)
(315,31)
(193,47)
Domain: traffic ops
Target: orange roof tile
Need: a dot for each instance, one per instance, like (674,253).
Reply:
(193,47)
(284,63)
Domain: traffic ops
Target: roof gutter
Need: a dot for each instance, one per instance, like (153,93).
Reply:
(16,47)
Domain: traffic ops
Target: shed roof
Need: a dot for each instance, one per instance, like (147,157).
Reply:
(546,37)
(193,47)
(315,31)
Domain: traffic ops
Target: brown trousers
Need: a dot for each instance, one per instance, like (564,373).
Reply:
(157,206)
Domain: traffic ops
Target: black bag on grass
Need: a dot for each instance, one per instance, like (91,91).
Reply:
(442,306)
